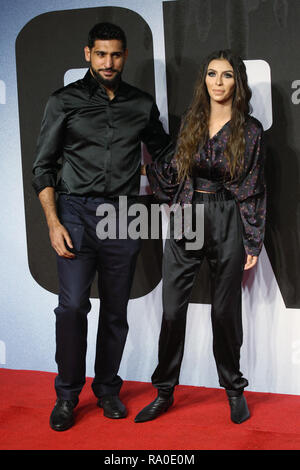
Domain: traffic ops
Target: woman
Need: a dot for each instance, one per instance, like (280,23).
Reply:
(219,162)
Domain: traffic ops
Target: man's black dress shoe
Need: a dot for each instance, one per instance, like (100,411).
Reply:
(239,411)
(112,407)
(154,409)
(62,417)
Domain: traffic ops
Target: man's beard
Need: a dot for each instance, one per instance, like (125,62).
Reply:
(112,83)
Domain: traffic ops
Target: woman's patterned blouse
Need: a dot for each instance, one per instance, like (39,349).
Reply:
(212,172)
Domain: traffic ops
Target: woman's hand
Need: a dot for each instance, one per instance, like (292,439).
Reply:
(251,261)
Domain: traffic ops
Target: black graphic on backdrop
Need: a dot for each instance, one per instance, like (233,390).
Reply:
(258,29)
(56,41)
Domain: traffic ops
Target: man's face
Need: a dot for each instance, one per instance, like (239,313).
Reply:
(107,59)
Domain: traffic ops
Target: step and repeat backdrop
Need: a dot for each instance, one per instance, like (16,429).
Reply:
(42,50)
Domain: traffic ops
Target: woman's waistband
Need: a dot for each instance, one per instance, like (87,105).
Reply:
(222,195)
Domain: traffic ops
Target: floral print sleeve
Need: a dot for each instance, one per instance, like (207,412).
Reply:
(162,176)
(250,191)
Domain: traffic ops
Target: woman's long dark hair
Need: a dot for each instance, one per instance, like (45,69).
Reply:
(194,130)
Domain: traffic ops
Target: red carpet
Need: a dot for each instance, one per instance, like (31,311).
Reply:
(199,419)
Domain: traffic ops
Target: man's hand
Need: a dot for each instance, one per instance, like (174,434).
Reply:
(57,232)
(251,261)
(59,236)
(143,170)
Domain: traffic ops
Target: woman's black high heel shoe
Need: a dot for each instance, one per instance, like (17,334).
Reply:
(238,407)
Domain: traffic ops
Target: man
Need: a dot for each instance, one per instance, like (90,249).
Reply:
(96,125)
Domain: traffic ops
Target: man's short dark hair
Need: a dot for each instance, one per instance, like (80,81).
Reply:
(106,31)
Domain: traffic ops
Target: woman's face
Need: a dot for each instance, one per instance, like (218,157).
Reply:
(220,80)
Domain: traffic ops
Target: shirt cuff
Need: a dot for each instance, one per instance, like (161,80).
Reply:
(252,251)
(43,181)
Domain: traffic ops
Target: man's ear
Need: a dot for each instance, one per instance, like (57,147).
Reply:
(87,53)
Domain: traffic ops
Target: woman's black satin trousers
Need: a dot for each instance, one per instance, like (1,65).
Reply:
(224,250)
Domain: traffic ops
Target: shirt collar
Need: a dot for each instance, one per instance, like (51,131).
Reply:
(93,85)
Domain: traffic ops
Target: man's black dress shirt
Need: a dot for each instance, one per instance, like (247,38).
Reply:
(97,139)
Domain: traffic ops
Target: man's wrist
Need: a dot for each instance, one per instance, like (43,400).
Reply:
(53,222)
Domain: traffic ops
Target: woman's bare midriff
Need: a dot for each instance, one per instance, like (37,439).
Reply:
(208,192)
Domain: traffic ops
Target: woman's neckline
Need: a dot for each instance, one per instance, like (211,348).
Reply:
(218,132)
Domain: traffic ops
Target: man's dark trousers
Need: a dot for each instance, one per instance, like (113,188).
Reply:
(114,260)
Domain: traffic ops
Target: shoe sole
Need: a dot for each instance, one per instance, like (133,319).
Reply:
(242,420)
(62,428)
